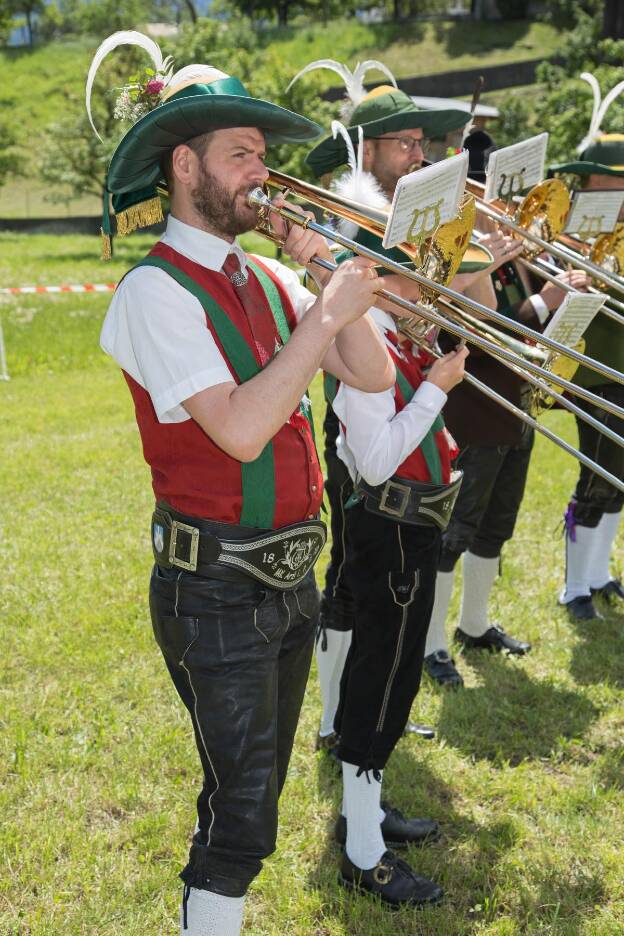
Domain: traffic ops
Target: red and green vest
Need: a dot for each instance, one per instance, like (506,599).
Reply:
(189,471)
(431,461)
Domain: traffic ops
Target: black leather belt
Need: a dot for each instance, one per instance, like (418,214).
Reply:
(278,558)
(414,502)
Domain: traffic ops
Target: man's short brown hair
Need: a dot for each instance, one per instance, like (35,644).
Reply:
(198,144)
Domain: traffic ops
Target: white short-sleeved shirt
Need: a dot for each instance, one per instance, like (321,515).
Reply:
(376,439)
(156,330)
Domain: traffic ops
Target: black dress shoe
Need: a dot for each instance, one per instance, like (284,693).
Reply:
(423,731)
(582,609)
(329,745)
(392,880)
(612,592)
(494,639)
(441,668)
(397,831)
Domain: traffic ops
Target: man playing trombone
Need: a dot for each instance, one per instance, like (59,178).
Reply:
(593,515)
(225,426)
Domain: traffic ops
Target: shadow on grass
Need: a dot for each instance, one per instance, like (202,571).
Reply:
(565,898)
(465,856)
(599,657)
(457,40)
(511,717)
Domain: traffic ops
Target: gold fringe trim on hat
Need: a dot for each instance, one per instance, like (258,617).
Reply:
(107,245)
(139,216)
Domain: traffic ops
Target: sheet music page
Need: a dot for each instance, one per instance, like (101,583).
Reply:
(425,199)
(572,318)
(594,213)
(513,169)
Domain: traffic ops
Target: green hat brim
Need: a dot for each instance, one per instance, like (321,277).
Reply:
(136,163)
(331,153)
(585,168)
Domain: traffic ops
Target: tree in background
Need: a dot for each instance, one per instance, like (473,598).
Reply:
(563,106)
(30,10)
(9,162)
(72,161)
(613,19)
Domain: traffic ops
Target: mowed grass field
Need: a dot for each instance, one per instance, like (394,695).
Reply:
(97,764)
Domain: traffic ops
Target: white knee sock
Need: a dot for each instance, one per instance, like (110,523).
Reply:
(606,531)
(479,576)
(330,664)
(436,635)
(365,844)
(578,558)
(209,914)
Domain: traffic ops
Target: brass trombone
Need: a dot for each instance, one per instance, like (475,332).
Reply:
(533,373)
(539,221)
(374,220)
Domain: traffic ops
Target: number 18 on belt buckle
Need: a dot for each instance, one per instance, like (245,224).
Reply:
(186,530)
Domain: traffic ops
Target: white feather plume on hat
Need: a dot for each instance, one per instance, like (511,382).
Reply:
(163,67)
(356,184)
(354,80)
(599,109)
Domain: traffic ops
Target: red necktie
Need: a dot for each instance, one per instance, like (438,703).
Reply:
(253,301)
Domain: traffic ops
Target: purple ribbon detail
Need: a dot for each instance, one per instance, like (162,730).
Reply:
(569,522)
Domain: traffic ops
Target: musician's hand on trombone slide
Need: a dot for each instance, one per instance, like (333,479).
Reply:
(553,296)
(448,371)
(300,243)
(351,291)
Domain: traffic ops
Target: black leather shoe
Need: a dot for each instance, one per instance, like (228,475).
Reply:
(582,609)
(495,639)
(612,592)
(423,731)
(392,880)
(397,831)
(440,667)
(329,745)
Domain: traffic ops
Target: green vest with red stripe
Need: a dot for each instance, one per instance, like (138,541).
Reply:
(189,471)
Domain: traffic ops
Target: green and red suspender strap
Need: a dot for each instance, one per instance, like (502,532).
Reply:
(257,477)
(330,387)
(428,445)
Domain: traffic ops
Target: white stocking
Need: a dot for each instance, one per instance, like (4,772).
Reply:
(330,664)
(479,577)
(436,635)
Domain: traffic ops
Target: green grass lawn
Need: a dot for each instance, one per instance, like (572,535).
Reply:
(98,773)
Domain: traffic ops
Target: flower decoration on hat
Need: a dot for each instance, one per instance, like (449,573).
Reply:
(143,92)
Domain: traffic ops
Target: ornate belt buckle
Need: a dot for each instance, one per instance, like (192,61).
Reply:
(391,491)
(382,874)
(191,564)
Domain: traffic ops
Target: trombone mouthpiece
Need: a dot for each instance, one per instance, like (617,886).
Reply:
(258,199)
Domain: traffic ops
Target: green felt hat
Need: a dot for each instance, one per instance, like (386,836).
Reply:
(383,110)
(477,257)
(604,156)
(174,109)
(198,108)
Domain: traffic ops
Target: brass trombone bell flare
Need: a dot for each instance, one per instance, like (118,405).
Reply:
(543,213)
(608,252)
